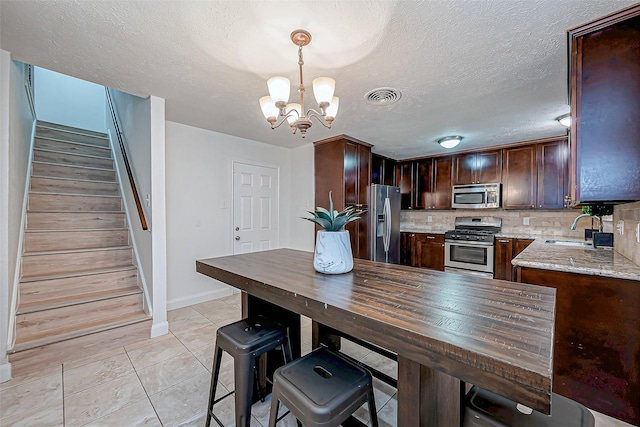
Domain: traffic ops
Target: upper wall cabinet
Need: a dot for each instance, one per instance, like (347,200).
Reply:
(605,108)
(483,167)
(383,170)
(425,183)
(535,176)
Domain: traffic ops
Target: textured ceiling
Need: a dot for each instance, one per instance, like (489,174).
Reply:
(492,71)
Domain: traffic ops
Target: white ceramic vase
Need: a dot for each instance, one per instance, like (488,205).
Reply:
(333,252)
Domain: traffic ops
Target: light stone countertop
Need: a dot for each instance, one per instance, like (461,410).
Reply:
(597,262)
(422,229)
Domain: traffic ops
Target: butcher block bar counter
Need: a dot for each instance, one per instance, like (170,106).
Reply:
(444,327)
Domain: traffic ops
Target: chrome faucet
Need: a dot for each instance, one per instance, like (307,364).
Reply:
(575,221)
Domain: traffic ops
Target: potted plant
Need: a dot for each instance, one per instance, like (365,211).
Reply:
(333,253)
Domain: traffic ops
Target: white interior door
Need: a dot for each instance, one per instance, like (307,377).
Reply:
(255,208)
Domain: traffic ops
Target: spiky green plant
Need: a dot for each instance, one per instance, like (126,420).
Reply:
(332,220)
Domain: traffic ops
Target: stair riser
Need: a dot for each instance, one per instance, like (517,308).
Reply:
(49,185)
(74,262)
(71,159)
(63,320)
(70,240)
(74,221)
(62,171)
(72,147)
(61,202)
(70,136)
(42,291)
(57,353)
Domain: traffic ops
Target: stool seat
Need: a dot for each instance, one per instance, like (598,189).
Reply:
(245,341)
(486,409)
(322,388)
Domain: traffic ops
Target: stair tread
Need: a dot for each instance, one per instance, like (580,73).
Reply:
(62,178)
(49,138)
(58,193)
(81,230)
(77,298)
(70,251)
(79,332)
(71,166)
(88,272)
(70,154)
(74,212)
(66,128)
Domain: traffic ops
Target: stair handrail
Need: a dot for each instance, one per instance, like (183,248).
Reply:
(120,136)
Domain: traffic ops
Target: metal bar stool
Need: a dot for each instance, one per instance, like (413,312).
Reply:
(245,341)
(484,408)
(322,388)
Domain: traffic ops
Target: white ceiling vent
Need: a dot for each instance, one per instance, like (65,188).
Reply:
(383,96)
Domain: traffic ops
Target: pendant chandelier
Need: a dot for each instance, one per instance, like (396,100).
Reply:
(277,103)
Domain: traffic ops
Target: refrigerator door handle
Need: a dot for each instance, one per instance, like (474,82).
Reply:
(387,224)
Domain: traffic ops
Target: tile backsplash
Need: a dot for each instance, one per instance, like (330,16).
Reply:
(549,223)
(626,244)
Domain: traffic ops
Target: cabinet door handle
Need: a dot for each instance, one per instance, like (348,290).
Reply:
(430,237)
(503,241)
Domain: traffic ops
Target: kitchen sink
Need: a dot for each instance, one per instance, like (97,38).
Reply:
(570,243)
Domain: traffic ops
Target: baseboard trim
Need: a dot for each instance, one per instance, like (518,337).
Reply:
(159,329)
(5,372)
(198,298)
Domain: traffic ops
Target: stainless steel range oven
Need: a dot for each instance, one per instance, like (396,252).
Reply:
(469,248)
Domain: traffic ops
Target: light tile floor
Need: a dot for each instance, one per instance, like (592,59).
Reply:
(164,381)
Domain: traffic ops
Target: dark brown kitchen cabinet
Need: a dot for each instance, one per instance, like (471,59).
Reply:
(505,249)
(535,175)
(596,353)
(605,108)
(343,166)
(424,250)
(382,170)
(425,183)
(429,251)
(483,167)
(407,243)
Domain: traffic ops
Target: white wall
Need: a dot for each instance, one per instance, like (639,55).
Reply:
(302,197)
(134,115)
(69,101)
(16,127)
(198,182)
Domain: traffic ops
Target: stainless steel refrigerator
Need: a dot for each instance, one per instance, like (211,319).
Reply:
(384,223)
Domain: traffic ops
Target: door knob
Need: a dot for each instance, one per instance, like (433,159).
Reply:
(237,228)
(237,237)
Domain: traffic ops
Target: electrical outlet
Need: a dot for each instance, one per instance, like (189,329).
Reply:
(638,232)
(620,227)
(198,223)
(525,220)
(429,219)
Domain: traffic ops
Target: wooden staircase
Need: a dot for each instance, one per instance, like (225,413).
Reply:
(79,289)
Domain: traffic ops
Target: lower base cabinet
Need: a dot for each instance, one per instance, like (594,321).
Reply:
(596,358)
(504,251)
(424,250)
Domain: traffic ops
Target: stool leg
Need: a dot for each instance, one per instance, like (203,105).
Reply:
(372,408)
(215,371)
(275,406)
(244,379)
(286,350)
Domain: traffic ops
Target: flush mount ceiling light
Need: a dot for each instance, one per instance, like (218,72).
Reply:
(276,104)
(449,141)
(565,120)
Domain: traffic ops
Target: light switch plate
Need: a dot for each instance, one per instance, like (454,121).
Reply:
(620,227)
(429,219)
(525,220)
(638,232)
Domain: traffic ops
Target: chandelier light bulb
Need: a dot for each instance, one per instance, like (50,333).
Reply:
(332,109)
(294,109)
(323,88)
(279,88)
(269,108)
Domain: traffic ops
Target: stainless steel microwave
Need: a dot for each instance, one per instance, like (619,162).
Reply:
(476,196)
